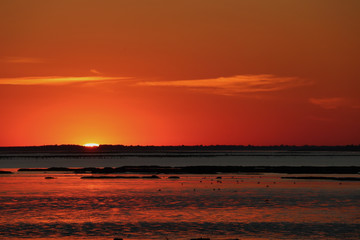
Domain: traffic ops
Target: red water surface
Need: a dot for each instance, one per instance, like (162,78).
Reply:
(233,206)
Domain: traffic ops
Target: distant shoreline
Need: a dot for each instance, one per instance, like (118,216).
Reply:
(176,154)
(69,149)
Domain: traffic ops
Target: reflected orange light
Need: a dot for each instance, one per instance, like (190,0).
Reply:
(91,145)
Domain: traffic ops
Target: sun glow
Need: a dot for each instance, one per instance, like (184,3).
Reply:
(91,145)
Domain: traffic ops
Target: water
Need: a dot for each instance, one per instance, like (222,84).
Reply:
(241,206)
(182,159)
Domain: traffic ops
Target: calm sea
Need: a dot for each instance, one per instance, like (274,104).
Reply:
(182,159)
(224,206)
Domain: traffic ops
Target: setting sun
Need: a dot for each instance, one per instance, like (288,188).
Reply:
(91,145)
(164,73)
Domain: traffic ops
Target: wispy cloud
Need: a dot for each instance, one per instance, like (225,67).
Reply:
(21,60)
(95,71)
(328,103)
(234,85)
(56,80)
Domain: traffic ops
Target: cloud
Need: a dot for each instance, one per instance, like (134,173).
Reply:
(21,60)
(94,71)
(55,80)
(328,103)
(234,85)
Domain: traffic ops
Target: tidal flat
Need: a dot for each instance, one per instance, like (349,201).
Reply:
(64,205)
(241,195)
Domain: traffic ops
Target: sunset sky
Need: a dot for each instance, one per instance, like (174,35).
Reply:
(172,72)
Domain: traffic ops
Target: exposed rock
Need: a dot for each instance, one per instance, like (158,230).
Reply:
(152,176)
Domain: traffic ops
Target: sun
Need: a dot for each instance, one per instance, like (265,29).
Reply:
(91,145)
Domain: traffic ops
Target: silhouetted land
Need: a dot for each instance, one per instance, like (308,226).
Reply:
(205,169)
(53,149)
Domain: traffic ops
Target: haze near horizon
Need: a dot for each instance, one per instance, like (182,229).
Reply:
(179,72)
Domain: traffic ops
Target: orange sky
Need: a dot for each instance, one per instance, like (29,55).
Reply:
(160,72)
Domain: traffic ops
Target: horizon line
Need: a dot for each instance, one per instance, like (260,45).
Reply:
(183,145)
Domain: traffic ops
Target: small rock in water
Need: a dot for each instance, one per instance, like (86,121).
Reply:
(152,176)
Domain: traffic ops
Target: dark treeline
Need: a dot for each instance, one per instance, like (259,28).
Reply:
(158,149)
